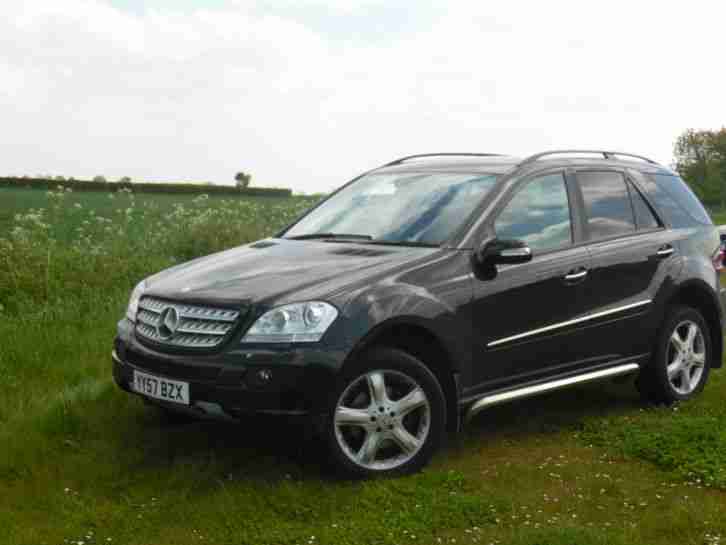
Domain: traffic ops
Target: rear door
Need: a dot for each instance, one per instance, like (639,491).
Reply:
(631,252)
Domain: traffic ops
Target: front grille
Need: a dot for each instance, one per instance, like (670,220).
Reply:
(197,327)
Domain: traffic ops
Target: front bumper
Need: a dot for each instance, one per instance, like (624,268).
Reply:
(229,385)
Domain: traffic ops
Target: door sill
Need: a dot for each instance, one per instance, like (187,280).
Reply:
(544,387)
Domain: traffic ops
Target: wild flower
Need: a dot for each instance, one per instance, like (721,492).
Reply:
(69,250)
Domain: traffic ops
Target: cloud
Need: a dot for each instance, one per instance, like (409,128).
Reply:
(307,94)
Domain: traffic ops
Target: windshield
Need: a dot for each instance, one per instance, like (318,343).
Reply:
(424,207)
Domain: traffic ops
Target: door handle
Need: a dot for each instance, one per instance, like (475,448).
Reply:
(665,251)
(572,276)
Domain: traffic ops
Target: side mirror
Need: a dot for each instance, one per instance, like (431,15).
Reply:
(495,252)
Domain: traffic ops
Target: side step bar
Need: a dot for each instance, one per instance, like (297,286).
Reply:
(529,391)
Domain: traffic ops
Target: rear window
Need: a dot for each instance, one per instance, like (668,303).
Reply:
(677,202)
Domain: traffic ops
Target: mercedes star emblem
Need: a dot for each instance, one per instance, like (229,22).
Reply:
(168,322)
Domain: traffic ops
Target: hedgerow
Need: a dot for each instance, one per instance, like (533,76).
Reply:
(141,187)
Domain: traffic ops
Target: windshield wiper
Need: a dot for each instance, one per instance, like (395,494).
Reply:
(366,238)
(413,243)
(313,236)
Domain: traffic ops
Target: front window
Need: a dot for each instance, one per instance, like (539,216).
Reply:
(539,215)
(410,207)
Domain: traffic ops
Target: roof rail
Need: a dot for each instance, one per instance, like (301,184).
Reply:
(605,154)
(445,154)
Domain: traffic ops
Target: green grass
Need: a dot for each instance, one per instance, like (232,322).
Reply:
(80,457)
(719,217)
(83,462)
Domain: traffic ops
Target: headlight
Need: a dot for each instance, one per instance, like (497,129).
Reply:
(296,323)
(134,300)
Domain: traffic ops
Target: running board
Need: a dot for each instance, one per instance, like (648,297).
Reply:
(528,391)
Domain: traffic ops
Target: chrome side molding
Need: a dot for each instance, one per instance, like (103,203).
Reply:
(529,391)
(569,322)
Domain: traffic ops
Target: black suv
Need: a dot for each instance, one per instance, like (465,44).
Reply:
(434,287)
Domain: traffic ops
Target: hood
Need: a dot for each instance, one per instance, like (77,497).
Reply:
(278,271)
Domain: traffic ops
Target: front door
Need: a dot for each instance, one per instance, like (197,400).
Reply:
(526,319)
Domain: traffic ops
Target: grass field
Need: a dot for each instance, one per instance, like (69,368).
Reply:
(83,463)
(15,201)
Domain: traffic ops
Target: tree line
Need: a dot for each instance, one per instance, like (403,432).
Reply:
(242,179)
(700,159)
(100,183)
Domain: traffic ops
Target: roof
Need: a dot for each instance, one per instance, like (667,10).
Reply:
(494,165)
(503,164)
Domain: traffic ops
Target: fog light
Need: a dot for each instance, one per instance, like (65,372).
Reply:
(263,376)
(260,378)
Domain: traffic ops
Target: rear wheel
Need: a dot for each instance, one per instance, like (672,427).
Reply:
(387,415)
(681,360)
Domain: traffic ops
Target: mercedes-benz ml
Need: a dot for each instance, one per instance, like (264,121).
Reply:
(429,289)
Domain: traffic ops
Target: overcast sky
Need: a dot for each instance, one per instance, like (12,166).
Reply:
(308,93)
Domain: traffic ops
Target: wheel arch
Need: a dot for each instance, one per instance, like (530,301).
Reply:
(698,295)
(414,338)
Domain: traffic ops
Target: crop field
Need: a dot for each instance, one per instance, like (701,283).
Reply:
(82,463)
(15,201)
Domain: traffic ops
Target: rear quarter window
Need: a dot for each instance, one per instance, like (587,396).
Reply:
(644,217)
(676,201)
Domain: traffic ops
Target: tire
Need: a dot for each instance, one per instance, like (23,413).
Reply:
(386,416)
(678,371)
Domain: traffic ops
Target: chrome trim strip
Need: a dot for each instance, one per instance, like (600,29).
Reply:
(193,331)
(528,391)
(568,322)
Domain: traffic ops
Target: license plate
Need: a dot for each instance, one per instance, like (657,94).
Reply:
(161,388)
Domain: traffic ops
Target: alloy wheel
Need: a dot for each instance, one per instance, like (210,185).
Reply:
(685,357)
(382,419)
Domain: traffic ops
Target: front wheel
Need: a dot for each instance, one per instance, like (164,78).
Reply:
(387,415)
(681,360)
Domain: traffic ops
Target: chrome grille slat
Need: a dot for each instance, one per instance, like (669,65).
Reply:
(201,330)
(199,326)
(190,311)
(147,317)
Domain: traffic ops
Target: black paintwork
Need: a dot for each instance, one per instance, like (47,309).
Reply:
(444,294)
